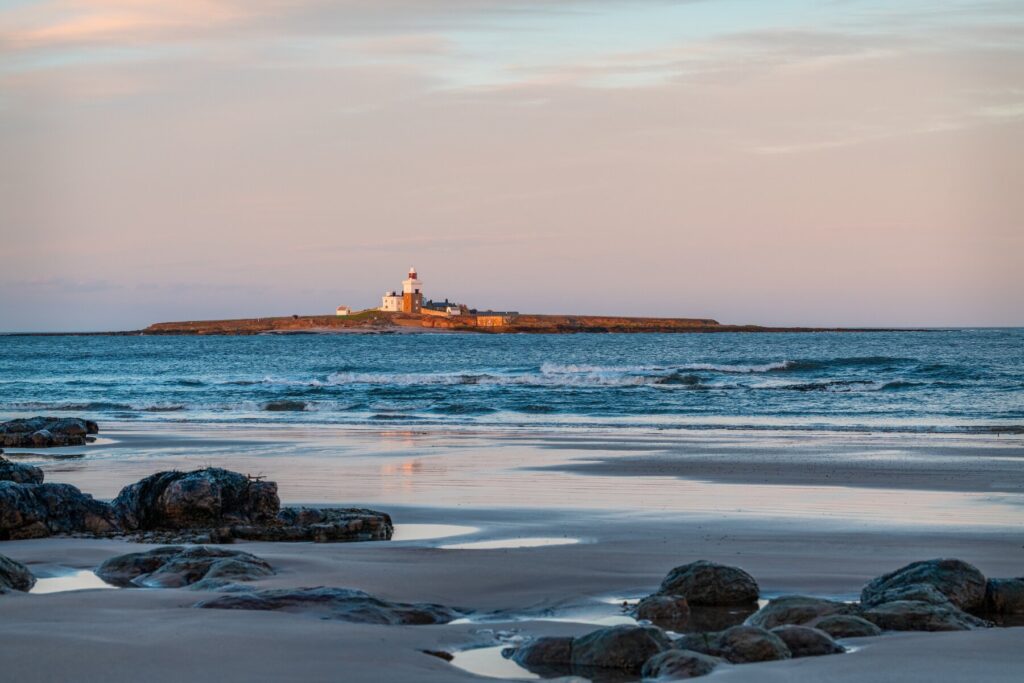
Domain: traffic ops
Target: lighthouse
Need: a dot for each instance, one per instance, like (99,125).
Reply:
(412,293)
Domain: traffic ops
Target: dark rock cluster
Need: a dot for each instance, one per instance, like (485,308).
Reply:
(210,505)
(45,432)
(199,567)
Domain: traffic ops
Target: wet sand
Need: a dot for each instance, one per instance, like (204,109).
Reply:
(823,540)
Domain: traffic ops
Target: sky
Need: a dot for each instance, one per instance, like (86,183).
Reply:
(840,162)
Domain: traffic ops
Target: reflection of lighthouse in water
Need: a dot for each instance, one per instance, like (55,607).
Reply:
(412,293)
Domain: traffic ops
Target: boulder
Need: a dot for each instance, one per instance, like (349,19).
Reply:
(846,626)
(179,566)
(665,611)
(918,592)
(912,615)
(804,641)
(38,510)
(679,664)
(708,583)
(19,473)
(46,432)
(210,497)
(961,583)
(704,619)
(1004,596)
(341,604)
(738,645)
(552,651)
(622,648)
(797,609)
(14,576)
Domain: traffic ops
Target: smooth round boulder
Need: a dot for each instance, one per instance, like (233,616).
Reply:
(804,641)
(679,664)
(911,615)
(547,651)
(745,644)
(1004,596)
(670,612)
(15,576)
(846,626)
(961,583)
(709,583)
(796,609)
(918,592)
(623,648)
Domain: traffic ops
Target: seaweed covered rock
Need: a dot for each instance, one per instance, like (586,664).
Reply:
(670,612)
(210,497)
(678,665)
(961,584)
(913,615)
(846,626)
(341,604)
(19,473)
(179,566)
(804,641)
(44,432)
(709,583)
(14,576)
(39,510)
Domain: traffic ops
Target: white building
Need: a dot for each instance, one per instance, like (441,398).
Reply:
(409,301)
(343,310)
(392,301)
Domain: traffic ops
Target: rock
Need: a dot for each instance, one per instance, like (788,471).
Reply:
(804,641)
(918,592)
(704,619)
(19,473)
(961,583)
(45,432)
(797,609)
(284,406)
(912,615)
(708,583)
(544,652)
(846,626)
(738,645)
(178,566)
(679,664)
(14,576)
(205,498)
(38,510)
(1004,596)
(341,604)
(622,648)
(321,525)
(665,611)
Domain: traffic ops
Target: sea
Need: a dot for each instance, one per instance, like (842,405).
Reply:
(962,380)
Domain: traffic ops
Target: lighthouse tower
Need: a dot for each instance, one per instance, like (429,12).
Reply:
(412,293)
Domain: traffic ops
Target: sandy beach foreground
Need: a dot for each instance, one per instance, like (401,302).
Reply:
(617,511)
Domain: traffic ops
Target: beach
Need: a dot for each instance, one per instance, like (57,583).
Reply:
(614,512)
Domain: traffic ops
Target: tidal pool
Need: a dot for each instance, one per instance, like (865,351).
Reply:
(528,542)
(60,580)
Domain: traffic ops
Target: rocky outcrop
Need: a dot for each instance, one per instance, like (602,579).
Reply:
(19,473)
(320,525)
(804,641)
(14,576)
(913,615)
(1004,596)
(179,566)
(341,604)
(43,432)
(738,645)
(206,498)
(678,665)
(797,609)
(846,626)
(39,510)
(670,612)
(708,583)
(961,584)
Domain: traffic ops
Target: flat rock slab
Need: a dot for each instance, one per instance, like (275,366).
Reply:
(179,566)
(45,432)
(342,604)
